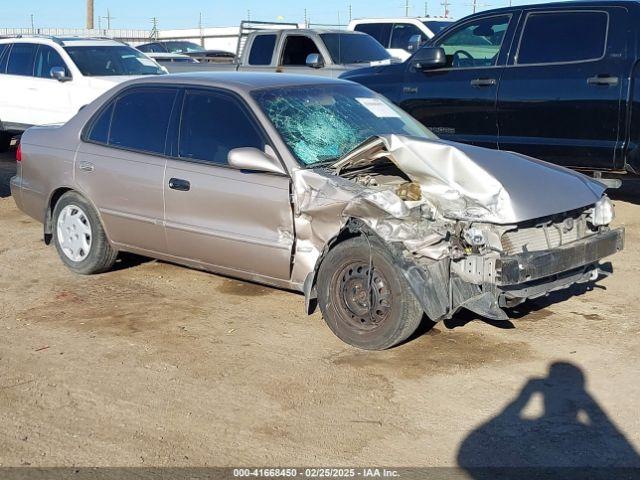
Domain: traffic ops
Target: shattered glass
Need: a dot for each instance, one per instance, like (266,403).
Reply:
(321,124)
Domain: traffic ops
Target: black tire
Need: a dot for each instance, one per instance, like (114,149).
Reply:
(100,255)
(5,141)
(344,276)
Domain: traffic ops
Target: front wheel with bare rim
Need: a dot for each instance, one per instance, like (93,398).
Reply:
(363,296)
(79,237)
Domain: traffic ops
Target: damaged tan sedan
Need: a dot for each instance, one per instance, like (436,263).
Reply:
(315,185)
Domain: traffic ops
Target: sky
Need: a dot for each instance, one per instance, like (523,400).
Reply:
(185,13)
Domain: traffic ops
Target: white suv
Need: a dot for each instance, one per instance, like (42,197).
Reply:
(401,36)
(47,79)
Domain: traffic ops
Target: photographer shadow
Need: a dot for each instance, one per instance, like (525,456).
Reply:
(569,436)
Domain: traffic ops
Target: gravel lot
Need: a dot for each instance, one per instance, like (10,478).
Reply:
(155,364)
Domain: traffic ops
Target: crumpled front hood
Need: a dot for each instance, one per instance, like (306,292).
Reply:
(474,183)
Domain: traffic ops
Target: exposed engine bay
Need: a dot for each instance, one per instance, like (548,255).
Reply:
(462,236)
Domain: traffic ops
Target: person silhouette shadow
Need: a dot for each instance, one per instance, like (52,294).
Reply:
(571,434)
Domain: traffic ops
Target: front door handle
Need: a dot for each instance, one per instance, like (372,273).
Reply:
(483,82)
(86,166)
(179,184)
(604,80)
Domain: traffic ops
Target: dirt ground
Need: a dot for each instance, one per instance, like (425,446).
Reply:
(159,365)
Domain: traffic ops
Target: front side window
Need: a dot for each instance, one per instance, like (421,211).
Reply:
(379,31)
(21,59)
(262,50)
(346,48)
(296,50)
(46,59)
(214,124)
(476,44)
(404,34)
(140,119)
(104,61)
(320,124)
(555,37)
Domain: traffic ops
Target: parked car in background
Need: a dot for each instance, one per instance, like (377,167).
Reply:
(169,58)
(401,36)
(556,81)
(308,51)
(190,49)
(316,185)
(47,79)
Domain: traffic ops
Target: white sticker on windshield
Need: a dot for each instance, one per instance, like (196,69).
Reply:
(378,107)
(147,62)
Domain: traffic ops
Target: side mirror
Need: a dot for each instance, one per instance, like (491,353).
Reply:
(249,158)
(429,58)
(59,73)
(414,43)
(314,60)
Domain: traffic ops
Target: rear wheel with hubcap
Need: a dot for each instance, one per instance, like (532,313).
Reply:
(79,237)
(363,296)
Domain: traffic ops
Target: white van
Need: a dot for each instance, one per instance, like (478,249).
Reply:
(47,80)
(403,35)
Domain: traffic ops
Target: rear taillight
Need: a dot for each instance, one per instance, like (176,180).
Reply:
(19,153)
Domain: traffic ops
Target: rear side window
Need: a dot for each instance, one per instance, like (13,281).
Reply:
(379,31)
(21,59)
(139,120)
(212,125)
(558,37)
(262,50)
(46,59)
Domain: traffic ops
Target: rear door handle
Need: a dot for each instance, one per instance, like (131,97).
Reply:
(483,82)
(604,80)
(179,184)
(86,166)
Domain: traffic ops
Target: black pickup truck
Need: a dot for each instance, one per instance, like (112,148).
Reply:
(556,81)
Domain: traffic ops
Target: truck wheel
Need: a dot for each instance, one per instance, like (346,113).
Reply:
(5,141)
(79,237)
(363,297)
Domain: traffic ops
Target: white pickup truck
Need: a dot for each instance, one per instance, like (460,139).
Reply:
(300,50)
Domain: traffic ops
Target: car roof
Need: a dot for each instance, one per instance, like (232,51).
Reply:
(62,41)
(558,4)
(302,31)
(238,81)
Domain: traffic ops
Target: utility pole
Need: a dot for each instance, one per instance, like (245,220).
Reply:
(249,15)
(350,12)
(201,30)
(306,19)
(154,29)
(426,9)
(33,28)
(108,18)
(89,14)
(406,8)
(446,4)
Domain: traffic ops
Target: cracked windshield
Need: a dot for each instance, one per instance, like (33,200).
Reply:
(320,124)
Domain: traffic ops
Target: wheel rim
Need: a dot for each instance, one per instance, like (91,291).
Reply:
(74,233)
(363,296)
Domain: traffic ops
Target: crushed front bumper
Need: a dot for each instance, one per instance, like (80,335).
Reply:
(532,266)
